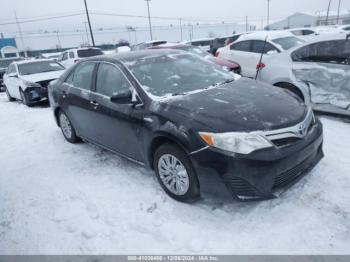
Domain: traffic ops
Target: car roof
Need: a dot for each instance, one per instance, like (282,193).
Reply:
(199,39)
(320,38)
(32,61)
(127,57)
(261,35)
(170,45)
(82,48)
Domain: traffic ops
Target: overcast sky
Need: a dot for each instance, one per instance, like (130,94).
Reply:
(192,10)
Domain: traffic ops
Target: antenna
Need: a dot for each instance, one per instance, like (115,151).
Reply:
(261,57)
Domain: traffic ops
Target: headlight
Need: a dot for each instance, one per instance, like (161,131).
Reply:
(240,143)
(30,84)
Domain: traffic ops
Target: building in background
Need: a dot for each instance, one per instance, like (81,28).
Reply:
(344,18)
(310,20)
(8,47)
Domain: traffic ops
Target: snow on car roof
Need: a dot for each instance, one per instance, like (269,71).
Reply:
(261,35)
(32,61)
(83,48)
(321,38)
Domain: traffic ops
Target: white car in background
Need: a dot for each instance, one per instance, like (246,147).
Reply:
(71,56)
(247,50)
(203,43)
(318,72)
(304,33)
(27,80)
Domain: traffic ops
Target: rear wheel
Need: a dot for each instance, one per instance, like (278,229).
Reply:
(291,88)
(175,173)
(9,97)
(67,128)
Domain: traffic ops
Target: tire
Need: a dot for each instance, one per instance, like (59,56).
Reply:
(186,189)
(9,97)
(67,128)
(292,88)
(24,98)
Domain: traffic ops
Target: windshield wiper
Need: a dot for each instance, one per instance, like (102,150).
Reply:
(222,83)
(178,94)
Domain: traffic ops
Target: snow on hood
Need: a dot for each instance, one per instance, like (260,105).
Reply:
(42,76)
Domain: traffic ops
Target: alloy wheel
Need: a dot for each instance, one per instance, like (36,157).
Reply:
(65,126)
(173,174)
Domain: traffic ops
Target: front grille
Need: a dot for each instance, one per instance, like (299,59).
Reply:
(285,141)
(291,175)
(45,83)
(242,188)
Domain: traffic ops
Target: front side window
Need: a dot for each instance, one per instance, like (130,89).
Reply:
(110,80)
(83,75)
(39,67)
(176,74)
(243,46)
(71,55)
(262,47)
(334,52)
(11,69)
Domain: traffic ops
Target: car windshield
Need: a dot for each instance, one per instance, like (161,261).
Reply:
(5,63)
(177,74)
(288,42)
(89,52)
(195,50)
(39,67)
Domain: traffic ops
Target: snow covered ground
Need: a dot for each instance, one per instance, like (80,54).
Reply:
(58,198)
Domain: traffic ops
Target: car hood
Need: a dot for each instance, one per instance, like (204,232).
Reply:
(42,76)
(241,106)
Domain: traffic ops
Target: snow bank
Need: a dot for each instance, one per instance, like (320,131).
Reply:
(58,198)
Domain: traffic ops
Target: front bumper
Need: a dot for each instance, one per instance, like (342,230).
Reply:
(36,94)
(263,174)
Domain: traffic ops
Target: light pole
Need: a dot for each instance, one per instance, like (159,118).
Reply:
(268,14)
(339,3)
(329,6)
(149,19)
(88,18)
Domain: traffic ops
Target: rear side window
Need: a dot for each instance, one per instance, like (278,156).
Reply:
(110,80)
(334,52)
(244,46)
(89,52)
(262,47)
(83,75)
(308,32)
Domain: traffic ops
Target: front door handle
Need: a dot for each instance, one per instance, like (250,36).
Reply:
(94,104)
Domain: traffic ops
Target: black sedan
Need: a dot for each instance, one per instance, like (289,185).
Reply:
(188,119)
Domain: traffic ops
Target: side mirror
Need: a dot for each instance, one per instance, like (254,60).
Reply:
(124,97)
(13,75)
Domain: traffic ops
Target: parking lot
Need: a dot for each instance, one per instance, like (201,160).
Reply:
(79,199)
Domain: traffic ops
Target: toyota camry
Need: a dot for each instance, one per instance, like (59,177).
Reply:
(187,119)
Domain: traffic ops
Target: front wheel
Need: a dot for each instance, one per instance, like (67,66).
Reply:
(175,173)
(24,98)
(67,128)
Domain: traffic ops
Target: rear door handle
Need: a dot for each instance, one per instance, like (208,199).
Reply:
(64,94)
